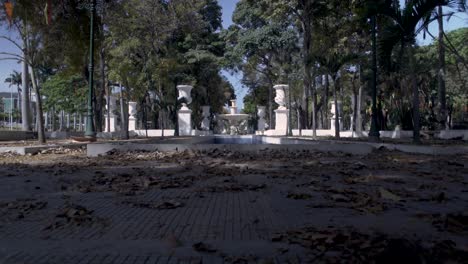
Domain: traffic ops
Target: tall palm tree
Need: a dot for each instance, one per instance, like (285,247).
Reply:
(438,15)
(332,63)
(406,23)
(15,78)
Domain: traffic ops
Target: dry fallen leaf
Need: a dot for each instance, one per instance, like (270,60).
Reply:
(385,194)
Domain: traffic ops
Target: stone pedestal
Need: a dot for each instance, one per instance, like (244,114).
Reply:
(184,115)
(185,121)
(132,119)
(111,119)
(131,124)
(282,121)
(397,132)
(282,113)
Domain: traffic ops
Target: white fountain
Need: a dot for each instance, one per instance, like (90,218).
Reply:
(234,118)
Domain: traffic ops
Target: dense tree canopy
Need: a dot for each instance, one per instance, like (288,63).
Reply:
(322,49)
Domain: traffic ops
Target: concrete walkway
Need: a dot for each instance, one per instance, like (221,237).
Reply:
(215,206)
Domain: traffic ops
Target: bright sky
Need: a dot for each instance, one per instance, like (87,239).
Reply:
(6,67)
(235,80)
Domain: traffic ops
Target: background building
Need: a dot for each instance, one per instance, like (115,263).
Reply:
(6,102)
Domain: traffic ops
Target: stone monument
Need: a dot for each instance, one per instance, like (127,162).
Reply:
(132,106)
(282,113)
(185,114)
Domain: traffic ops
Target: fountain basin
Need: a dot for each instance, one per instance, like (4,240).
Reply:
(234,117)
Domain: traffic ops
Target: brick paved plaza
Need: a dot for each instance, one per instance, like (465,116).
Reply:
(232,207)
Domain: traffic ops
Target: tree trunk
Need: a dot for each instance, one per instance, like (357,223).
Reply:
(299,121)
(306,46)
(314,111)
(74,121)
(336,87)
(340,109)
(441,73)
(25,110)
(100,92)
(354,103)
(108,110)
(358,121)
(40,118)
(270,104)
(79,121)
(305,106)
(161,121)
(52,119)
(175,115)
(325,101)
(414,84)
(123,116)
(61,120)
(323,106)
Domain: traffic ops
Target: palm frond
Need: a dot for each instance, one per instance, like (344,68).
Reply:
(413,18)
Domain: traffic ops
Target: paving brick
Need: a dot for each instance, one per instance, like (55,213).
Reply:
(223,220)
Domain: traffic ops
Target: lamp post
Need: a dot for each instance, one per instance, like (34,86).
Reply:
(11,108)
(374,134)
(90,132)
(290,133)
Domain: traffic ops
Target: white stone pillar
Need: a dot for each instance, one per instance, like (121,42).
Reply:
(111,118)
(185,121)
(132,106)
(282,113)
(397,132)
(185,114)
(261,111)
(205,125)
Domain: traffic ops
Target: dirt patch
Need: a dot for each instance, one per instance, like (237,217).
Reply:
(73,216)
(19,209)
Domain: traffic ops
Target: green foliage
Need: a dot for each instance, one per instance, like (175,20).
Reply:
(66,93)
(457,73)
(403,24)
(262,48)
(153,46)
(14,79)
